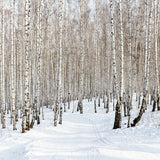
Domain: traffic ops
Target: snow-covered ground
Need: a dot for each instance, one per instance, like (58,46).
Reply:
(84,137)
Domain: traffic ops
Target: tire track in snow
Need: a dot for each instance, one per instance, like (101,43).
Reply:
(94,153)
(102,141)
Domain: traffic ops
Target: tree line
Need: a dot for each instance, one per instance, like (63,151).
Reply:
(53,52)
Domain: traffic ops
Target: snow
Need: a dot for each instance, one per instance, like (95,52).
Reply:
(84,137)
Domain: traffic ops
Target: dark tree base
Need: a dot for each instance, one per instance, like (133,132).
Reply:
(158,105)
(154,106)
(125,110)
(142,110)
(38,120)
(117,122)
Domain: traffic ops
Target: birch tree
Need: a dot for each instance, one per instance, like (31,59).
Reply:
(13,68)
(156,78)
(59,80)
(129,63)
(121,57)
(3,110)
(146,78)
(117,121)
(26,115)
(39,51)
(81,76)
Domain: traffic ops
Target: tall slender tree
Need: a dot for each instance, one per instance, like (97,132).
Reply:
(3,109)
(146,78)
(59,80)
(121,58)
(156,78)
(26,115)
(81,76)
(13,68)
(117,121)
(129,63)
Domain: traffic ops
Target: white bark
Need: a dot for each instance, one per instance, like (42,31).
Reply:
(146,43)
(117,122)
(59,80)
(113,52)
(59,93)
(146,78)
(121,51)
(156,76)
(13,68)
(39,52)
(129,63)
(148,52)
(81,76)
(3,111)
(27,61)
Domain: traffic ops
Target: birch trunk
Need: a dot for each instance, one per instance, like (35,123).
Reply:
(59,80)
(39,51)
(145,83)
(156,78)
(117,121)
(96,60)
(13,68)
(59,93)
(26,115)
(146,48)
(3,111)
(121,53)
(81,77)
(121,59)
(129,63)
(1,59)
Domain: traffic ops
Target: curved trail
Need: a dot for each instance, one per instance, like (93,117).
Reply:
(87,136)
(77,138)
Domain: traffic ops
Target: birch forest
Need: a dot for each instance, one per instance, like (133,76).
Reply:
(53,52)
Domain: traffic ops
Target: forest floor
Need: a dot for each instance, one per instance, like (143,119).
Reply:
(87,136)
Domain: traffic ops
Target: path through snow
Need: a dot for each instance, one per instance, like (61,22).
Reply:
(83,137)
